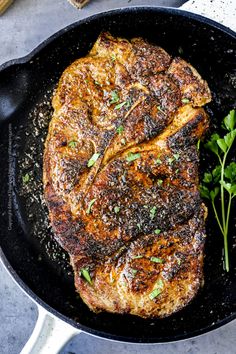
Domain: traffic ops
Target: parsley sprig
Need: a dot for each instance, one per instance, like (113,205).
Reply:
(222,179)
(114,97)
(84,272)
(26,178)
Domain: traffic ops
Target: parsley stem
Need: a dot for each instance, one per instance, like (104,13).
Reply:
(226,234)
(226,252)
(222,192)
(220,159)
(224,222)
(228,212)
(223,175)
(217,218)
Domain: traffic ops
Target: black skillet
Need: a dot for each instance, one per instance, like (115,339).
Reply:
(27,249)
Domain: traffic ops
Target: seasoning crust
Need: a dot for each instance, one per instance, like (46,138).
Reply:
(121,176)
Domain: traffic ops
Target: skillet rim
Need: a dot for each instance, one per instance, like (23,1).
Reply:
(44,43)
(96,333)
(3,259)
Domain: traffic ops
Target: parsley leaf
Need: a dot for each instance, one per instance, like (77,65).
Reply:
(114,97)
(230,172)
(159,182)
(153,212)
(216,174)
(116,209)
(137,257)
(120,105)
(176,156)
(85,274)
(120,129)
(170,160)
(156,260)
(204,192)
(93,159)
(131,157)
(26,178)
(212,144)
(207,177)
(88,211)
(157,291)
(230,120)
(72,144)
(222,144)
(154,294)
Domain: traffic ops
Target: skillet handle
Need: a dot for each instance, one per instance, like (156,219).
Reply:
(49,335)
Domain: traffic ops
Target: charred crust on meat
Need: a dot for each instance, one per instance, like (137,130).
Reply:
(133,217)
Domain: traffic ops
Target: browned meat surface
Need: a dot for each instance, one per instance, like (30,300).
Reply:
(121,177)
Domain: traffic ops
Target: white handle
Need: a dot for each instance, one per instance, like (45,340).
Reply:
(49,335)
(218,10)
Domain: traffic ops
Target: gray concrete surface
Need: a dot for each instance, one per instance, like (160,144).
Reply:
(23,27)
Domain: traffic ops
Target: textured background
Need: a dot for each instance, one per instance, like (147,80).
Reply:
(22,28)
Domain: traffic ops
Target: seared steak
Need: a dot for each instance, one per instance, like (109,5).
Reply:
(121,176)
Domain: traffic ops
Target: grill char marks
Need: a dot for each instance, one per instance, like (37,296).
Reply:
(121,176)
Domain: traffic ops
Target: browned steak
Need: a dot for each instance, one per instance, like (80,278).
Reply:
(121,176)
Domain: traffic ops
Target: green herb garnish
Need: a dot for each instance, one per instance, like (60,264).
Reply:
(134,271)
(157,231)
(222,179)
(93,159)
(160,283)
(156,260)
(120,129)
(85,274)
(137,257)
(120,105)
(123,141)
(116,209)
(131,157)
(139,226)
(176,156)
(185,100)
(154,293)
(198,144)
(113,57)
(170,160)
(160,109)
(153,212)
(158,161)
(26,178)
(159,182)
(114,97)
(178,261)
(127,104)
(72,144)
(88,211)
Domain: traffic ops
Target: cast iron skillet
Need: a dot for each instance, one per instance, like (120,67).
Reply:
(33,258)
